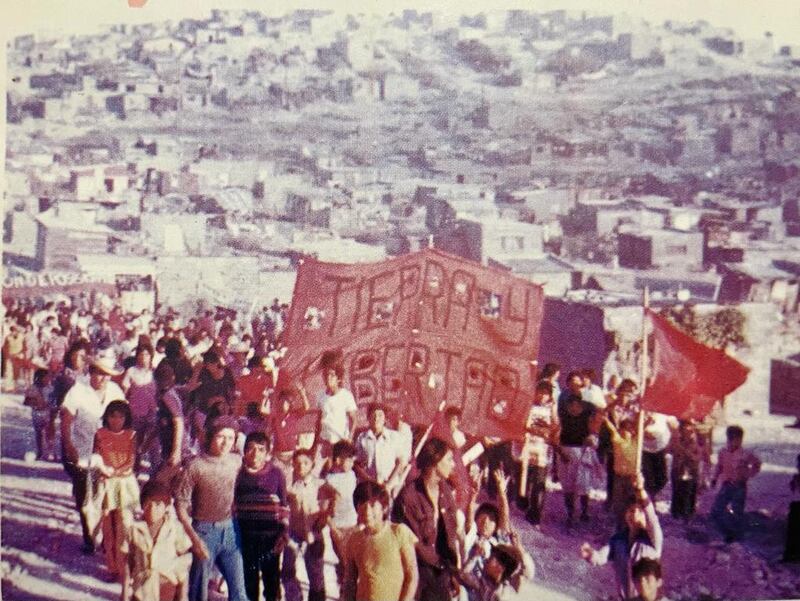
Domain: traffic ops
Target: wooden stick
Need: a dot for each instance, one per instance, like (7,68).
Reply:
(642,380)
(428,431)
(417,449)
(523,470)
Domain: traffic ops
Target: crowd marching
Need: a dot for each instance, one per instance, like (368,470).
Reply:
(190,456)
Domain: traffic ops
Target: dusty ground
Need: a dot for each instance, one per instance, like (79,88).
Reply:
(40,533)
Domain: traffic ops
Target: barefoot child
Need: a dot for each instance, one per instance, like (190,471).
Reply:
(115,442)
(381,562)
(156,551)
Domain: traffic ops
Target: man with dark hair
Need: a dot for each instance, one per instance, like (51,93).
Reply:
(211,382)
(260,500)
(574,388)
(646,575)
(452,418)
(337,405)
(175,357)
(207,490)
(428,507)
(378,451)
(592,393)
(81,412)
(575,416)
(381,563)
(215,380)
(169,416)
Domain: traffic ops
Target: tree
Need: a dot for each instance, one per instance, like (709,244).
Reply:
(717,329)
(722,328)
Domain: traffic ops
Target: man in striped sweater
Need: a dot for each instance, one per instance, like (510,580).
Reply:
(260,501)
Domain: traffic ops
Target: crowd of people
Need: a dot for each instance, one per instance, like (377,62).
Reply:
(191,459)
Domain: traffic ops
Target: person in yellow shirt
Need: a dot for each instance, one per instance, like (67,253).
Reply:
(623,445)
(381,561)
(13,357)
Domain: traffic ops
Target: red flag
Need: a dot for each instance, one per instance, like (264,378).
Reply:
(420,318)
(687,377)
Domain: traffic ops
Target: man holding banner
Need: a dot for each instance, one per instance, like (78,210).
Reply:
(404,321)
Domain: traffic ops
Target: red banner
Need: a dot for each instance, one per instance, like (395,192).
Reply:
(686,377)
(423,319)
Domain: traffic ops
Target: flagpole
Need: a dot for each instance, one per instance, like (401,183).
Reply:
(407,470)
(642,379)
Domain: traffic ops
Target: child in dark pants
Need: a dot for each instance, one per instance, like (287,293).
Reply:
(685,471)
(260,499)
(37,397)
(735,466)
(309,502)
(541,431)
(791,552)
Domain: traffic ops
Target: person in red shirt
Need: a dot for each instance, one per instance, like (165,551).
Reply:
(289,422)
(115,442)
(253,386)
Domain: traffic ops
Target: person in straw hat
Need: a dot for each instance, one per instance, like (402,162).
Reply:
(81,414)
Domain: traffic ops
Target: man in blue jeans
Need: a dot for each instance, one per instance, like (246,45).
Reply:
(735,466)
(207,486)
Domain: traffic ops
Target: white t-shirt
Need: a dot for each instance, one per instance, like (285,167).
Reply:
(344,512)
(379,455)
(334,415)
(141,391)
(127,346)
(594,395)
(658,434)
(87,405)
(138,376)
(405,439)
(536,447)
